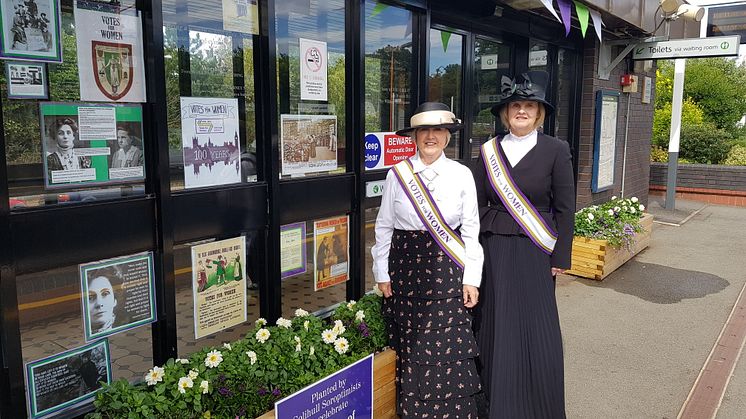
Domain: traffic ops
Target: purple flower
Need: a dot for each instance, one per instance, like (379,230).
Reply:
(262,391)
(276,392)
(224,391)
(363,328)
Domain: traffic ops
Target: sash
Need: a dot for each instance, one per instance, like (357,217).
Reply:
(519,207)
(428,212)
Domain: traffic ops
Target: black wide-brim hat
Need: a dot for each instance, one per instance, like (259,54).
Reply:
(432,115)
(531,86)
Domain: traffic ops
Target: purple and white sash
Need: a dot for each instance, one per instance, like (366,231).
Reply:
(519,207)
(426,208)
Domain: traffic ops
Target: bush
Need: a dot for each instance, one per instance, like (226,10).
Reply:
(243,379)
(736,156)
(616,221)
(704,144)
(691,114)
(658,154)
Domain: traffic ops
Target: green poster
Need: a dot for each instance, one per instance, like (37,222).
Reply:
(91,144)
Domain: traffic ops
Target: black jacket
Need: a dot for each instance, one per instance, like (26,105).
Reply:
(545,177)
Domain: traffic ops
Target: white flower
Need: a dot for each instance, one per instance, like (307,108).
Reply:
(297,343)
(213,359)
(642,207)
(301,313)
(613,197)
(634,199)
(590,216)
(311,351)
(155,375)
(351,304)
(185,383)
(624,209)
(261,321)
(360,315)
(205,386)
(632,210)
(611,212)
(306,324)
(328,336)
(341,345)
(377,291)
(616,209)
(182,361)
(282,322)
(252,357)
(262,335)
(193,374)
(338,327)
(227,346)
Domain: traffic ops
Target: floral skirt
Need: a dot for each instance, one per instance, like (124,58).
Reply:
(430,329)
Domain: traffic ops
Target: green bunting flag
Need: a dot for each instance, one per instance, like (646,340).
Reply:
(378,9)
(444,38)
(582,11)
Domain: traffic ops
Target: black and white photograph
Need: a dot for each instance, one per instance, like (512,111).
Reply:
(30,30)
(309,143)
(118,294)
(62,381)
(26,80)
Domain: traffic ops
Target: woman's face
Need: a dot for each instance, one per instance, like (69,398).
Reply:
(522,116)
(101,302)
(123,138)
(431,142)
(65,137)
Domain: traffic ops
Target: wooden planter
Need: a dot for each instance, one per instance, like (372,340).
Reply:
(595,259)
(384,387)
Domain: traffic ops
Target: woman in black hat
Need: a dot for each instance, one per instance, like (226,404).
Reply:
(526,197)
(427,261)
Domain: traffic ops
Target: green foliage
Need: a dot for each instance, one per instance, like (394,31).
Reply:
(243,379)
(704,144)
(736,156)
(658,154)
(616,221)
(691,114)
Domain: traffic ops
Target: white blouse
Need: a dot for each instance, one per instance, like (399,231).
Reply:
(516,148)
(452,186)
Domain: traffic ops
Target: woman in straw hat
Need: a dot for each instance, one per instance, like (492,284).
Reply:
(427,261)
(526,199)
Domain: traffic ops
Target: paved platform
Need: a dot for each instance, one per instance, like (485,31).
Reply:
(636,342)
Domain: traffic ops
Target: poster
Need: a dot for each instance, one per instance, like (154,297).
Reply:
(219,285)
(91,144)
(210,141)
(30,30)
(292,249)
(331,253)
(313,70)
(241,16)
(117,294)
(604,149)
(385,149)
(308,143)
(647,89)
(67,379)
(26,80)
(110,53)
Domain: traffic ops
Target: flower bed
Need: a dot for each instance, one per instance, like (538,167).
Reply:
(608,235)
(243,379)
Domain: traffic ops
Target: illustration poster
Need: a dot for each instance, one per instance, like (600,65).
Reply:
(210,141)
(91,144)
(219,285)
(292,249)
(30,30)
(110,53)
(308,143)
(68,379)
(313,70)
(117,294)
(331,253)
(241,16)
(26,80)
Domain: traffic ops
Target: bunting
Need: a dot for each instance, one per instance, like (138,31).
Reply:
(548,5)
(597,23)
(378,9)
(566,12)
(582,11)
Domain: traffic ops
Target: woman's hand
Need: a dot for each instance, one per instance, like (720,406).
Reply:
(557,271)
(385,288)
(471,296)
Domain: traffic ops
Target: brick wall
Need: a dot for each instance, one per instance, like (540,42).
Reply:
(723,185)
(638,135)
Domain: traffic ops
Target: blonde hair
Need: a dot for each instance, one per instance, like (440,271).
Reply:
(540,114)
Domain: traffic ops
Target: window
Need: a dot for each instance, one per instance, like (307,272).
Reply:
(445,72)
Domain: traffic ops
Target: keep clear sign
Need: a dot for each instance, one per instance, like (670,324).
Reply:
(385,149)
(346,394)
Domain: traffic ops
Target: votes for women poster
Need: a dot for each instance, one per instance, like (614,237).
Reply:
(331,255)
(210,141)
(219,285)
(110,53)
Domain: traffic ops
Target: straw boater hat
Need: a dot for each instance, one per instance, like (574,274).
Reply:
(527,86)
(432,115)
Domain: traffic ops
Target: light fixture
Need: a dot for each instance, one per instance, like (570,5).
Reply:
(674,9)
(670,6)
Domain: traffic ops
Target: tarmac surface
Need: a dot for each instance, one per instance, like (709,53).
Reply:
(636,342)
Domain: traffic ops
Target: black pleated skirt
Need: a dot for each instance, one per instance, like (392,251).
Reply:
(518,332)
(430,330)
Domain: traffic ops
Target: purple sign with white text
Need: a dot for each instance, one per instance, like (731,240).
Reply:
(346,394)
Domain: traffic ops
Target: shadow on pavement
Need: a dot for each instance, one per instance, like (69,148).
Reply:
(660,284)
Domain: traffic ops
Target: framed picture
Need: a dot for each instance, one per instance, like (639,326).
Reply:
(26,80)
(30,30)
(604,143)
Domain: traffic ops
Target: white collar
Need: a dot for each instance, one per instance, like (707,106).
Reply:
(418,165)
(530,136)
